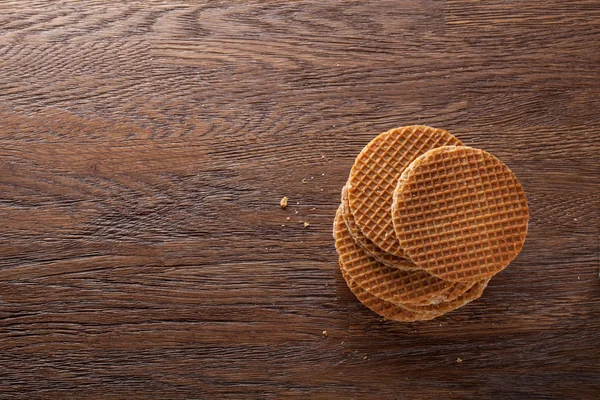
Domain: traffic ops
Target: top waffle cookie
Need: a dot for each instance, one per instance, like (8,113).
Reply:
(460,214)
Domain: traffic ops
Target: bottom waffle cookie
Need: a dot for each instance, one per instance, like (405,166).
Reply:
(410,312)
(384,308)
(390,284)
(455,290)
(473,293)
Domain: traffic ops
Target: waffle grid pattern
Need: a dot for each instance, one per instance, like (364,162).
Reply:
(390,284)
(409,312)
(449,294)
(384,308)
(468,296)
(456,289)
(375,173)
(371,248)
(460,213)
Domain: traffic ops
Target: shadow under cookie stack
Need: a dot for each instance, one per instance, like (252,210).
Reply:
(426,222)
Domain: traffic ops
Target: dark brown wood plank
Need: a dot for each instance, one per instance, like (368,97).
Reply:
(144,148)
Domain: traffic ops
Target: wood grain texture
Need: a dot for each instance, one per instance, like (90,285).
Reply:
(144,148)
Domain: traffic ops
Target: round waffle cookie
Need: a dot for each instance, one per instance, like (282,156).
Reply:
(390,284)
(371,248)
(455,290)
(473,293)
(384,308)
(375,173)
(410,312)
(460,213)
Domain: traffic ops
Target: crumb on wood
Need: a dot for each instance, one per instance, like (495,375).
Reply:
(283,202)
(296,211)
(459,360)
(304,181)
(288,218)
(306,224)
(365,357)
(324,333)
(321,190)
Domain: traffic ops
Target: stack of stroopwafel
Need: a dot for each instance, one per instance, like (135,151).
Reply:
(425,222)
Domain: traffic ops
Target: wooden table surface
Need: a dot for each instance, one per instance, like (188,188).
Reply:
(144,149)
